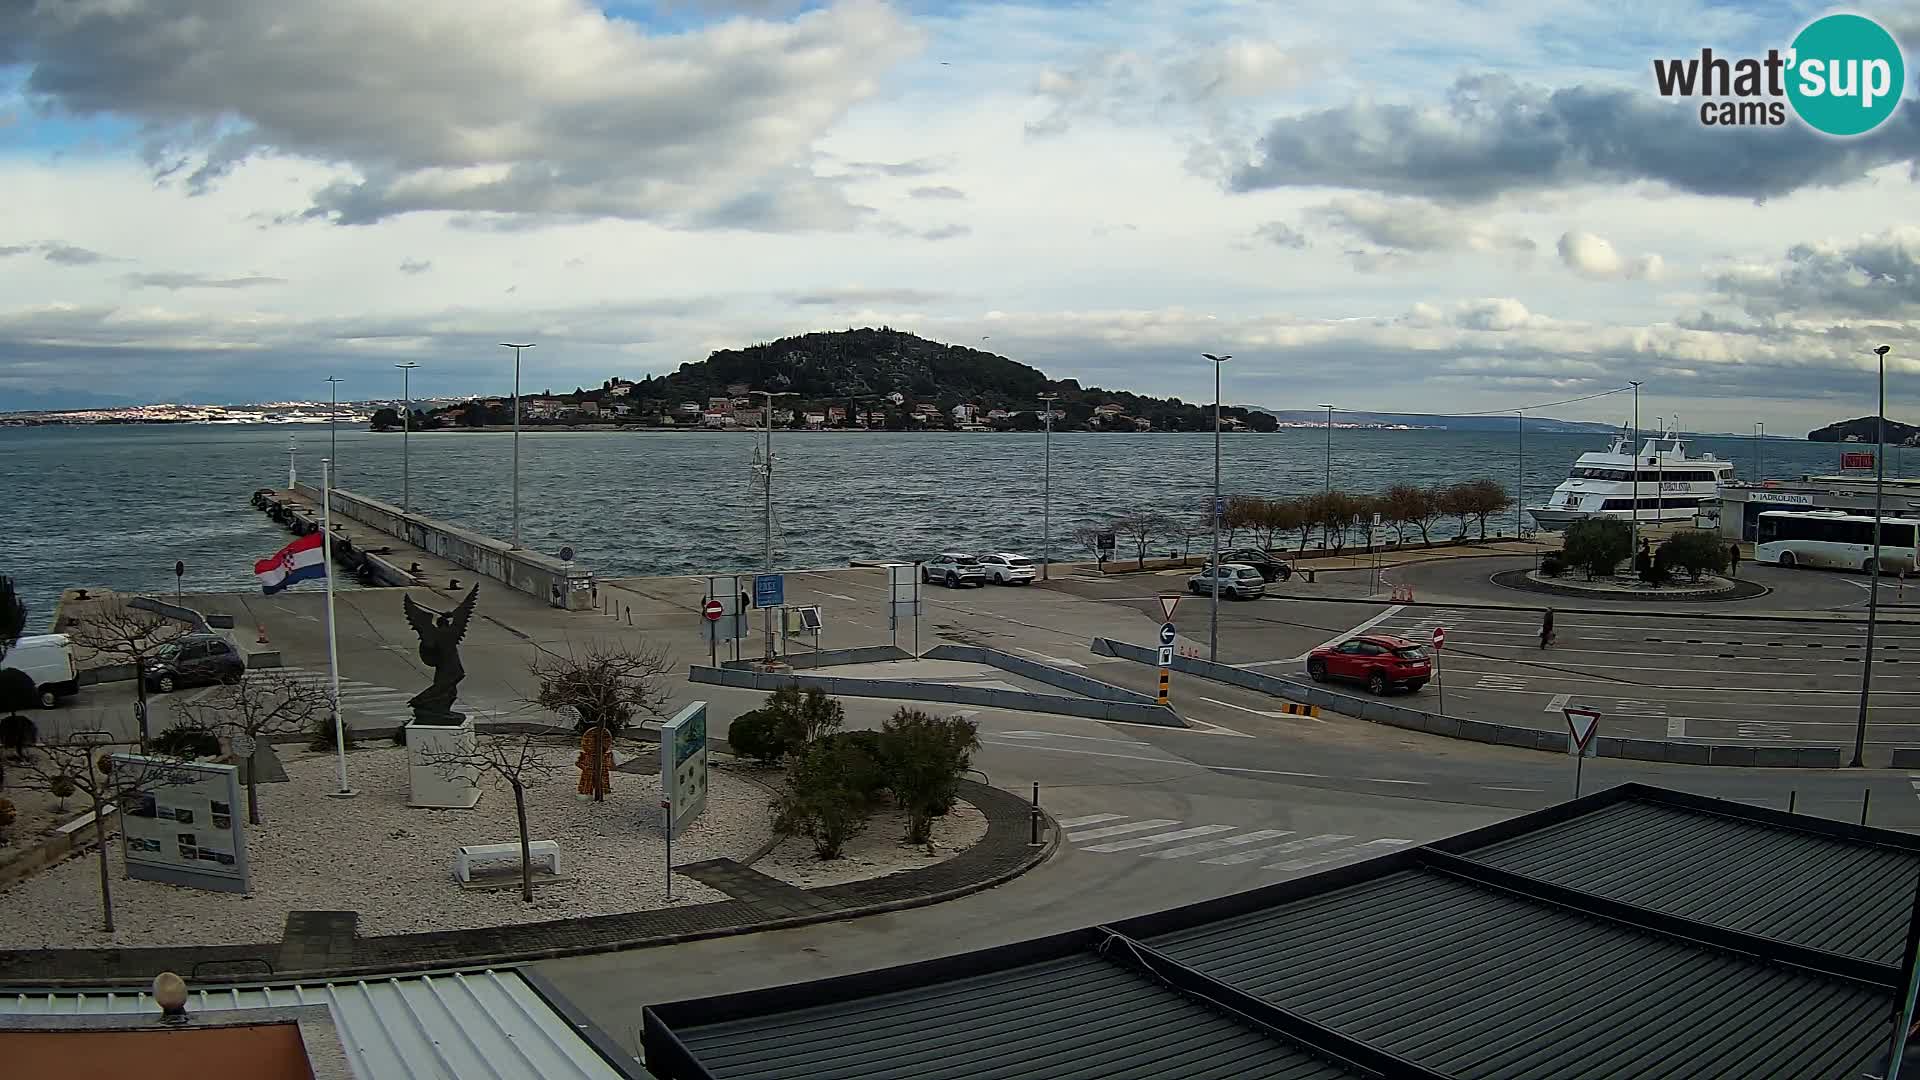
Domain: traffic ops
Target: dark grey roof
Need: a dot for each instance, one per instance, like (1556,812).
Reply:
(1839,895)
(1636,934)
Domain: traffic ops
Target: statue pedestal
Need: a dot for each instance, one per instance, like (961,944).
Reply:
(434,785)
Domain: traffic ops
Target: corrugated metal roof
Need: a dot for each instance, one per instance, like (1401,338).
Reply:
(463,1026)
(1080,1017)
(1477,982)
(1827,892)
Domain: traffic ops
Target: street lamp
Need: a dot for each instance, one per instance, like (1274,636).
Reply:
(1520,504)
(1759,437)
(770,395)
(1326,537)
(1046,497)
(1634,452)
(406,431)
(1873,580)
(333,426)
(1213,567)
(516,437)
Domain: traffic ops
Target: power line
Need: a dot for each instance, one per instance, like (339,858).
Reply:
(1549,404)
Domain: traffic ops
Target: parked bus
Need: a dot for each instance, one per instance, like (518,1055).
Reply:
(1833,539)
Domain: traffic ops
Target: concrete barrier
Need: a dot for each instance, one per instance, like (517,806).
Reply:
(176,612)
(807,661)
(1083,685)
(914,690)
(561,584)
(1906,758)
(1459,727)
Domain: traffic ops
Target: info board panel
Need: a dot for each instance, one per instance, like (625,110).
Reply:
(183,822)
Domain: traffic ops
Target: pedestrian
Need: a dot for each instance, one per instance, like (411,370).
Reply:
(1546,629)
(1733,559)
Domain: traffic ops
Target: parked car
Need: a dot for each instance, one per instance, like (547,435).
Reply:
(1236,580)
(1270,567)
(194,660)
(1006,568)
(954,569)
(48,658)
(1381,661)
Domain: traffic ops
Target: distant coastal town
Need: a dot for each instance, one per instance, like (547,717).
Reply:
(275,412)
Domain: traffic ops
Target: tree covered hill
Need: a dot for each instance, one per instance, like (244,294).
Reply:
(1863,429)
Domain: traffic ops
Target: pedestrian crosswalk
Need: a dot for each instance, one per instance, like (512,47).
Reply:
(1164,838)
(375,706)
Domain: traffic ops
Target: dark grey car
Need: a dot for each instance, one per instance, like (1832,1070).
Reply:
(194,660)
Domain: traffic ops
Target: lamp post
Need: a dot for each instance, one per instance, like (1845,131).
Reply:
(333,428)
(1873,580)
(406,432)
(1634,452)
(1326,537)
(1520,503)
(770,395)
(1046,496)
(516,437)
(1759,436)
(1213,566)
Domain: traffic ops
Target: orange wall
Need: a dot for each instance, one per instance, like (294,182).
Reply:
(257,1052)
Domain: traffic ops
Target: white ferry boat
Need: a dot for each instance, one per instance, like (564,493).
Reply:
(1672,487)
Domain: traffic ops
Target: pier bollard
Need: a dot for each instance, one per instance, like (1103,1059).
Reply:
(1792,794)
(1866,798)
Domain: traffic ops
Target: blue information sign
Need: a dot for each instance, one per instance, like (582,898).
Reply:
(769,590)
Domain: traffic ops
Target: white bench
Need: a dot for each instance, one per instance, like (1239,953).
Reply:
(538,851)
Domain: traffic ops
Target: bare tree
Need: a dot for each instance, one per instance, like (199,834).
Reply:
(68,764)
(251,712)
(1140,528)
(606,687)
(119,631)
(518,759)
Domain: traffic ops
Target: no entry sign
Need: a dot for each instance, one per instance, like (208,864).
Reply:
(712,609)
(1439,637)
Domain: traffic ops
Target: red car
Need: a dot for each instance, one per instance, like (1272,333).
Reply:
(1381,661)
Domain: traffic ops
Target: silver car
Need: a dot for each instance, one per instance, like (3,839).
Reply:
(1237,580)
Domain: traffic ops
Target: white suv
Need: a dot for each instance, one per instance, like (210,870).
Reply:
(954,568)
(1006,568)
(1236,580)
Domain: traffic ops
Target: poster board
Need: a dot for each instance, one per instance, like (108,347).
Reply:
(190,831)
(683,766)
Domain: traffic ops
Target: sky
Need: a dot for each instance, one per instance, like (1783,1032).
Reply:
(1393,205)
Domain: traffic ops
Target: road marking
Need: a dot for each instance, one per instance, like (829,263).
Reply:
(1500,682)
(1338,853)
(1263,772)
(1061,660)
(1163,838)
(1103,753)
(1497,787)
(1288,848)
(1258,712)
(1383,780)
(837,596)
(1242,840)
(1361,629)
(1557,703)
(1088,819)
(1122,830)
(1676,727)
(1061,735)
(1205,727)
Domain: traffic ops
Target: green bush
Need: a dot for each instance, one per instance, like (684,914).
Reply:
(1696,551)
(1553,566)
(825,797)
(925,758)
(1597,545)
(877,748)
(804,716)
(1658,570)
(759,735)
(320,732)
(187,739)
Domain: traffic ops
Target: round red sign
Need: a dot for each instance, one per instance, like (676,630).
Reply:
(712,610)
(1439,637)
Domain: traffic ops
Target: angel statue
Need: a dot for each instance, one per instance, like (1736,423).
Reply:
(440,634)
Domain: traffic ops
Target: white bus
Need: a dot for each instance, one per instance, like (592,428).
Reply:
(1833,539)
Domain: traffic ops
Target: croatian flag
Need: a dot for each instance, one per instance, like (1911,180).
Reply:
(302,560)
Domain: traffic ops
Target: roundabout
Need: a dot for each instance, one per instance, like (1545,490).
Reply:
(1710,589)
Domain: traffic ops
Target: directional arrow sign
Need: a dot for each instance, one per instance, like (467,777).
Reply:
(1167,604)
(1167,634)
(1581,724)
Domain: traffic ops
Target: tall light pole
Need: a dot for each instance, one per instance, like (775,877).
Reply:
(333,430)
(1873,581)
(1520,504)
(1326,535)
(770,395)
(1213,567)
(406,432)
(1046,496)
(1759,440)
(1634,471)
(516,437)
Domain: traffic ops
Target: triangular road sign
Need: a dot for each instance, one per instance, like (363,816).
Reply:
(1167,604)
(1581,724)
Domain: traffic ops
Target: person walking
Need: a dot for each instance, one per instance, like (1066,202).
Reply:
(1733,560)
(1546,629)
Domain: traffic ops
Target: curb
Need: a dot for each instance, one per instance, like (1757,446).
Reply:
(1003,820)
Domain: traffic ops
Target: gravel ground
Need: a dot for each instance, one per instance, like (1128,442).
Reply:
(393,863)
(877,850)
(35,815)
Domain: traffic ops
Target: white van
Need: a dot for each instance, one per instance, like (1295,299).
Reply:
(49,659)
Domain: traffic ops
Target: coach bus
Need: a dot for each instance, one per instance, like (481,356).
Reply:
(1834,540)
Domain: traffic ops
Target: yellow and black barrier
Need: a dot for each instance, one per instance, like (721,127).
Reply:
(1294,708)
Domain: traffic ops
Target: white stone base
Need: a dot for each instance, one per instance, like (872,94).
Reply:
(433,785)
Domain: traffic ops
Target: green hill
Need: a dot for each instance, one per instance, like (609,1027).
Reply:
(1862,430)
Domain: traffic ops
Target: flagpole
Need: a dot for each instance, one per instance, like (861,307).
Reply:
(333,641)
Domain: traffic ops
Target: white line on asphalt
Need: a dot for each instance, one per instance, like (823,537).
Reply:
(1278,849)
(1059,735)
(1122,830)
(1205,727)
(1103,753)
(1617,690)
(1215,845)
(1676,727)
(1263,772)
(1061,660)
(1361,629)
(1339,853)
(1535,672)
(1089,819)
(1557,702)
(1163,838)
(837,596)
(1498,787)
(1382,780)
(1774,628)
(1844,657)
(1260,712)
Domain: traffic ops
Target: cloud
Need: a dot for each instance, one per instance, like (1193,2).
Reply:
(1875,276)
(1179,79)
(1402,229)
(856,298)
(1493,135)
(69,255)
(1593,256)
(892,169)
(176,280)
(415,266)
(544,108)
(937,192)
(8,250)
(1281,234)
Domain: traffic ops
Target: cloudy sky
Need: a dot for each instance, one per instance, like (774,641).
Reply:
(1386,204)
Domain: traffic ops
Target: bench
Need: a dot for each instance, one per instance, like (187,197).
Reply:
(538,851)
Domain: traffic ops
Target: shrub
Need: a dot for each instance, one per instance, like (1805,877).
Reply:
(926,756)
(1696,551)
(61,787)
(17,733)
(825,796)
(1657,570)
(805,716)
(878,749)
(1597,545)
(187,740)
(320,732)
(759,735)
(1553,566)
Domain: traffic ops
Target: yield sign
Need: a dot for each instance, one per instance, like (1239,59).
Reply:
(1167,604)
(1581,724)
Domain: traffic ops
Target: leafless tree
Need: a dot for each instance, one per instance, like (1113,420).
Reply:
(604,686)
(518,759)
(126,634)
(251,712)
(1140,528)
(69,764)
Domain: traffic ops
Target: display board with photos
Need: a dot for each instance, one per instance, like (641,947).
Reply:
(189,829)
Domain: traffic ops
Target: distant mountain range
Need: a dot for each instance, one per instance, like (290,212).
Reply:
(1544,424)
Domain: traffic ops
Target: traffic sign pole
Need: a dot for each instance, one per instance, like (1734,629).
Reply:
(1439,679)
(1168,635)
(1582,725)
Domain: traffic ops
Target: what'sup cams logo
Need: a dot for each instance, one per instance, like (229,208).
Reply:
(1843,75)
